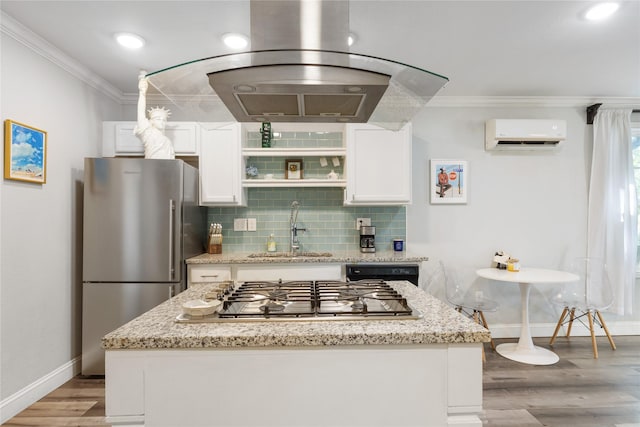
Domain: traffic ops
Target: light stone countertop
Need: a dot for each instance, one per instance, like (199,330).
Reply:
(336,257)
(157,328)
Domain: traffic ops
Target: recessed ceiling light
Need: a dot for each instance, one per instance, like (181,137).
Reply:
(129,40)
(601,11)
(235,41)
(244,88)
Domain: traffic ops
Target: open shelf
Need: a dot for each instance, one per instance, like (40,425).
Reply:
(256,183)
(293,152)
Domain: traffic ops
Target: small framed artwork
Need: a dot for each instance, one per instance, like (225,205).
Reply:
(449,181)
(25,153)
(293,169)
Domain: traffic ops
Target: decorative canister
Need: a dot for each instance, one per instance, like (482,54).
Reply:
(513,264)
(266,134)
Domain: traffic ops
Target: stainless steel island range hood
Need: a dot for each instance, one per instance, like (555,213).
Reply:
(299,70)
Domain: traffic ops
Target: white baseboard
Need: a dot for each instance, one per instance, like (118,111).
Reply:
(17,402)
(578,329)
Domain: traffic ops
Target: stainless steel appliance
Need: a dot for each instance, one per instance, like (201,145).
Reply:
(388,272)
(300,69)
(367,239)
(141,220)
(307,300)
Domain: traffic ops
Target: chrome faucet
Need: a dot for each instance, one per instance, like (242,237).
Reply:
(294,243)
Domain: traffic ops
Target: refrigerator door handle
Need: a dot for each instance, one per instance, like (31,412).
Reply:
(172,252)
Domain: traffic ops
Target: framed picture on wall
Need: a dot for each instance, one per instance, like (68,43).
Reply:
(449,181)
(25,153)
(293,169)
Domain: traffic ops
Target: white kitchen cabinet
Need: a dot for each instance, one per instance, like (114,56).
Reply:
(221,168)
(378,165)
(118,139)
(208,273)
(301,271)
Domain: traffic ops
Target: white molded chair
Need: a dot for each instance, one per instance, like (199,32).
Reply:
(588,296)
(465,299)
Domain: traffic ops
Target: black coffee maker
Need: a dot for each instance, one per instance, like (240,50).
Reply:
(367,239)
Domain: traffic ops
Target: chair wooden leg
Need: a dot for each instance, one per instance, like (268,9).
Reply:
(593,335)
(572,315)
(555,333)
(484,323)
(606,331)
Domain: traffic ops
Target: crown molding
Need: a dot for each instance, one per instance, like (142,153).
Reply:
(531,101)
(22,34)
(483,101)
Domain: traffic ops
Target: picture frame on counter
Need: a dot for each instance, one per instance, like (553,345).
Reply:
(293,169)
(449,181)
(25,153)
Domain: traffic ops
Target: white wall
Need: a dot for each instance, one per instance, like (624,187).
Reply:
(41,225)
(531,205)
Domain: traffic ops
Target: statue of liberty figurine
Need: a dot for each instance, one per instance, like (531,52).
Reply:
(151,131)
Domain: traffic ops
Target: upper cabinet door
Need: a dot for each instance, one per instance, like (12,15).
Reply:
(221,165)
(378,165)
(118,139)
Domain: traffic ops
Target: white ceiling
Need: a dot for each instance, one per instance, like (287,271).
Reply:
(485,48)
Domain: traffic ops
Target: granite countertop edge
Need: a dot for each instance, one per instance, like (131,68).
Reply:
(335,257)
(157,329)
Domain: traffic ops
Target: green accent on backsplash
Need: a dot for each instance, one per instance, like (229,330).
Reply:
(297,139)
(330,225)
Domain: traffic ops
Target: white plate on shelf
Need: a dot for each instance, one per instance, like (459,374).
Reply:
(200,307)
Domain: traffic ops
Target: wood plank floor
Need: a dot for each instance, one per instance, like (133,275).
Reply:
(576,391)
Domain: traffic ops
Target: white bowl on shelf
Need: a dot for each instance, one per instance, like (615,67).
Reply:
(200,307)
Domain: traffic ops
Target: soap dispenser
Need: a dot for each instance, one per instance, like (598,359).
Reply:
(271,243)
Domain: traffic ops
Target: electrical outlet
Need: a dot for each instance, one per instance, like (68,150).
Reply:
(362,221)
(252,224)
(240,224)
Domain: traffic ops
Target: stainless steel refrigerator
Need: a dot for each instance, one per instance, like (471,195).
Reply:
(141,221)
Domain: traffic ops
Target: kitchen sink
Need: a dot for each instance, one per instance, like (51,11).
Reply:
(290,255)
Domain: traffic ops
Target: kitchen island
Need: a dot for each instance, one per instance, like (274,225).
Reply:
(416,372)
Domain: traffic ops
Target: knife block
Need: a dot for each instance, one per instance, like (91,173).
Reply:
(214,246)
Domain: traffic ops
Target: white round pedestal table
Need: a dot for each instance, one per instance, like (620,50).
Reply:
(524,351)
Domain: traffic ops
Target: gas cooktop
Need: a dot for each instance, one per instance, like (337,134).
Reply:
(306,300)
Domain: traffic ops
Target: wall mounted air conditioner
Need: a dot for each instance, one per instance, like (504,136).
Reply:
(524,134)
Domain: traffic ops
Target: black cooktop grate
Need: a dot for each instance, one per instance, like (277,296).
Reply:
(308,299)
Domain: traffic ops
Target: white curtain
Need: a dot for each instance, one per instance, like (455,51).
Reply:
(612,221)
